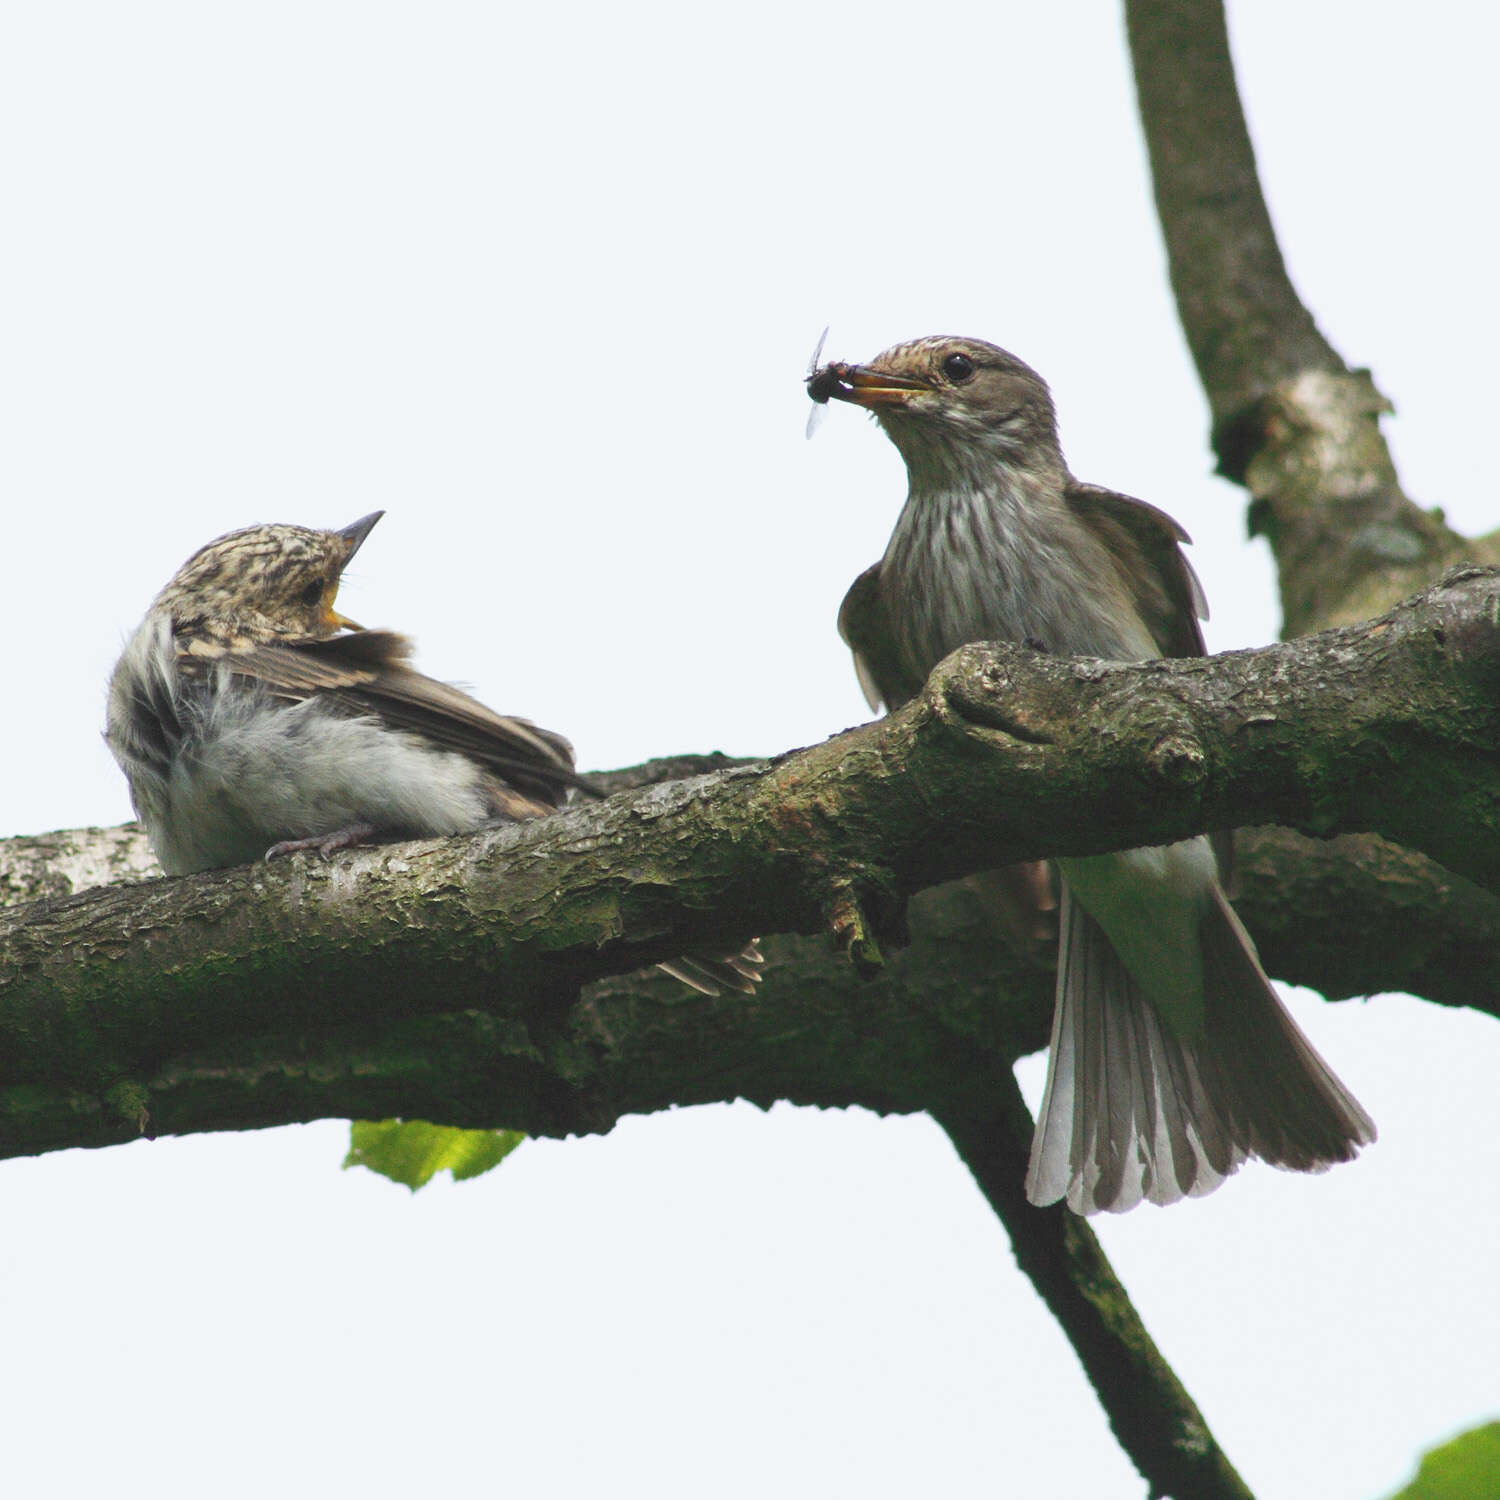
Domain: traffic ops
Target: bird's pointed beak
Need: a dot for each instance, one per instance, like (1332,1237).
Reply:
(863,385)
(354,534)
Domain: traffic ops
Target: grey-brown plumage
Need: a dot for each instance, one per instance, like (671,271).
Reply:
(1172,1058)
(251,719)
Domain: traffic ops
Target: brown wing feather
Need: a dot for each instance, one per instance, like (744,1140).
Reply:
(1145,543)
(1018,896)
(865,627)
(1147,547)
(365,673)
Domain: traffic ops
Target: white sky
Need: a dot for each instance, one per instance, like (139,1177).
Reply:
(542,284)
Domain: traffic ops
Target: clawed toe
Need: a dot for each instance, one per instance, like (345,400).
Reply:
(326,844)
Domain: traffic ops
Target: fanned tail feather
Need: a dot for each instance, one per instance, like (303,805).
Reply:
(712,974)
(1287,1105)
(1133,1111)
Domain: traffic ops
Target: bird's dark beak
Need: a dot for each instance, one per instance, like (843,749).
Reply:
(863,385)
(355,532)
(352,536)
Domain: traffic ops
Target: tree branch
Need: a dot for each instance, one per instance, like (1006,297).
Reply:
(1290,421)
(271,993)
(1155,1420)
(1245,324)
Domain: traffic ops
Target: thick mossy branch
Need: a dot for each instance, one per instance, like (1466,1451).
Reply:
(1290,421)
(1355,915)
(441,979)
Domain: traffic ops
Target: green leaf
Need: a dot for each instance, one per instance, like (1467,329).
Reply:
(412,1151)
(1467,1468)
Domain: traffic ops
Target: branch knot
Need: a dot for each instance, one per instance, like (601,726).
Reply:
(1178,761)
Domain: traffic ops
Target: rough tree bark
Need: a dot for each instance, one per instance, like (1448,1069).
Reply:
(1007,755)
(476,981)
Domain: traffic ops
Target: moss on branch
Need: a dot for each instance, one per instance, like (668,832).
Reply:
(282,992)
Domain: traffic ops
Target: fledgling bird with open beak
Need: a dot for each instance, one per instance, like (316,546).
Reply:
(251,719)
(1172,1058)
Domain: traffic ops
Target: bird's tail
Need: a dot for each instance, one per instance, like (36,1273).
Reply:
(713,973)
(1134,1111)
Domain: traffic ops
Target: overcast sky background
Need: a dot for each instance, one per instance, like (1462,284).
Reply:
(542,284)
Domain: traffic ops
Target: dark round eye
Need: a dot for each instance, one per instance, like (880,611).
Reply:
(312,593)
(958,368)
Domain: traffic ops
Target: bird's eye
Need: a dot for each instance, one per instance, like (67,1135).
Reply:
(312,593)
(958,368)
